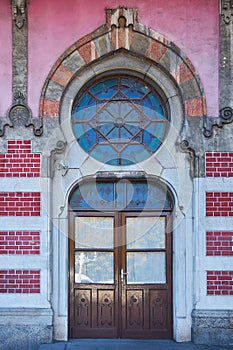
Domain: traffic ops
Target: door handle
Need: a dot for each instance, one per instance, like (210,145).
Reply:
(123,274)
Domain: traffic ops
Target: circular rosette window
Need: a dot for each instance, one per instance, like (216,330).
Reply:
(119,120)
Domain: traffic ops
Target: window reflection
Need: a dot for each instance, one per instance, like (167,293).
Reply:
(145,232)
(146,267)
(94,267)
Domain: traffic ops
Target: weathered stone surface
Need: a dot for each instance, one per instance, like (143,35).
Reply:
(226,65)
(50,108)
(54,91)
(212,327)
(140,44)
(19,60)
(194,107)
(103,45)
(190,89)
(73,62)
(62,75)
(24,337)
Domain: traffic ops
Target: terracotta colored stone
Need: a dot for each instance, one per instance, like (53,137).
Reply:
(86,52)
(155,50)
(62,75)
(194,107)
(83,41)
(49,108)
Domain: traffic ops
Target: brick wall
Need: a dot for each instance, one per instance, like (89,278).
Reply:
(19,242)
(219,204)
(19,281)
(19,161)
(220,282)
(219,164)
(219,243)
(19,204)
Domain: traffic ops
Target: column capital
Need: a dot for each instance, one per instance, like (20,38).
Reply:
(19,13)
(227,11)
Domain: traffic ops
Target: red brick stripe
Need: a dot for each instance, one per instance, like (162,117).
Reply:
(19,281)
(19,203)
(19,242)
(219,204)
(219,164)
(220,282)
(219,243)
(19,161)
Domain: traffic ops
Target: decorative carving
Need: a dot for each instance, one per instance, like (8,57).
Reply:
(83,309)
(227,10)
(19,15)
(20,114)
(121,17)
(194,159)
(106,312)
(135,312)
(4,122)
(225,117)
(158,313)
(59,148)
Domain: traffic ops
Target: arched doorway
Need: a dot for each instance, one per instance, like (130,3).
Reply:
(120,260)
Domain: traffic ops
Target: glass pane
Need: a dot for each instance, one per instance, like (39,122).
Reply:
(143,267)
(145,232)
(94,232)
(94,267)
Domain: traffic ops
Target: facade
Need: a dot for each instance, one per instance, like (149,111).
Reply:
(116,166)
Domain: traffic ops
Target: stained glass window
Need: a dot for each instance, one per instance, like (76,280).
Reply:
(121,195)
(119,120)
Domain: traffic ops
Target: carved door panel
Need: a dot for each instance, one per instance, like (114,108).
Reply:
(120,276)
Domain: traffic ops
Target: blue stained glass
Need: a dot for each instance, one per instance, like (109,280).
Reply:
(105,154)
(124,133)
(106,89)
(113,109)
(87,139)
(133,89)
(119,121)
(114,134)
(133,117)
(156,129)
(85,109)
(152,107)
(105,117)
(135,154)
(120,195)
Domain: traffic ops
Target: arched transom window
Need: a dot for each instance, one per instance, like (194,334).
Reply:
(119,120)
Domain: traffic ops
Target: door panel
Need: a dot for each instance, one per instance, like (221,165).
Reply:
(146,288)
(120,275)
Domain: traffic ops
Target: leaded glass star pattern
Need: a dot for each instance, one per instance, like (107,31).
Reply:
(119,120)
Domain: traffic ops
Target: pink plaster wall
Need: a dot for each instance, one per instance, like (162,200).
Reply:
(54,25)
(5,57)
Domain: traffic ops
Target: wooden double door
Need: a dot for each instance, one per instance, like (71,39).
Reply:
(120,275)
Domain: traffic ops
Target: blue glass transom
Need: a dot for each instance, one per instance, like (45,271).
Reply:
(119,121)
(121,195)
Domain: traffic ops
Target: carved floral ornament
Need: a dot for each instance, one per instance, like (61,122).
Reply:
(227,11)
(19,8)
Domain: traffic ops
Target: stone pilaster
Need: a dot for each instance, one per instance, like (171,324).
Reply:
(19,47)
(226,54)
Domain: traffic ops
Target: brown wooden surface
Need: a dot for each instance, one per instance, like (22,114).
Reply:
(139,311)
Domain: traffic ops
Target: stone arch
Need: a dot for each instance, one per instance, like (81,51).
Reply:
(123,31)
